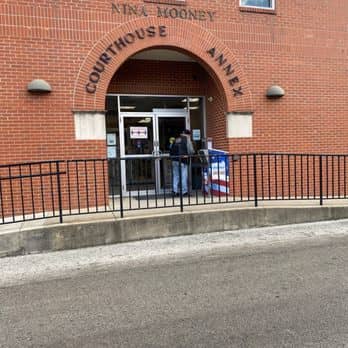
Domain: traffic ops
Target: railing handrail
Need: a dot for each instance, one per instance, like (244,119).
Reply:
(85,159)
(29,163)
(282,153)
(83,186)
(30,176)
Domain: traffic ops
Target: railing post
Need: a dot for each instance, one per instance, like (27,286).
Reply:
(255,181)
(59,193)
(121,188)
(180,185)
(321,178)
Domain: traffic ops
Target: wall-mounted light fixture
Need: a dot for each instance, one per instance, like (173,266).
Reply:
(274,92)
(39,86)
(210,99)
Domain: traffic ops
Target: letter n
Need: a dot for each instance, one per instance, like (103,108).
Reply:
(212,52)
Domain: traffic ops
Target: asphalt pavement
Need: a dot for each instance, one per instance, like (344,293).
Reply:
(272,287)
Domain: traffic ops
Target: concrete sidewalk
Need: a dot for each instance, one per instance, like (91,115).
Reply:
(70,263)
(108,228)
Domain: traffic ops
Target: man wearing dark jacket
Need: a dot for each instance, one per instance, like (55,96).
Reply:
(180,152)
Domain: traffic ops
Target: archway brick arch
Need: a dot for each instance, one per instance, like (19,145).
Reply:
(213,54)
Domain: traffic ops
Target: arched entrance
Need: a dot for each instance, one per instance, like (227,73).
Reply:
(207,72)
(152,98)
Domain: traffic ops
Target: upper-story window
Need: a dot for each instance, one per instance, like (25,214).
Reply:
(268,4)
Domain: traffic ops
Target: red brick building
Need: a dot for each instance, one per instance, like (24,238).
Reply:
(117,68)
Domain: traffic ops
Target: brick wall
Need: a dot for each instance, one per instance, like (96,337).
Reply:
(159,77)
(302,47)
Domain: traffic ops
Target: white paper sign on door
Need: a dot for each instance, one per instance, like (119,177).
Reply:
(138,133)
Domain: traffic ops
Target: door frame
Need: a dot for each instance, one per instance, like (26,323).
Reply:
(155,115)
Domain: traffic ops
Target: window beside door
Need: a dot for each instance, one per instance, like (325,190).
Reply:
(112,144)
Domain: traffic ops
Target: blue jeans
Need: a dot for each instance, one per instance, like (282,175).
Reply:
(176,177)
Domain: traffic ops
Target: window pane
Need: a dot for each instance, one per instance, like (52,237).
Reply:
(257,3)
(147,103)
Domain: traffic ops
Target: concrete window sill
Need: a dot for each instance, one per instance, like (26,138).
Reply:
(257,10)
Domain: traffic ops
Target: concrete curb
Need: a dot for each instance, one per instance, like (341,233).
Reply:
(80,235)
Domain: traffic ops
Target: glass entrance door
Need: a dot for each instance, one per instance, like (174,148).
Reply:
(169,127)
(145,140)
(137,147)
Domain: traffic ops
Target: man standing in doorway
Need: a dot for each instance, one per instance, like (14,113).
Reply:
(180,152)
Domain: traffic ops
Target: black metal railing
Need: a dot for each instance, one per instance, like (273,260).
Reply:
(39,190)
(30,191)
